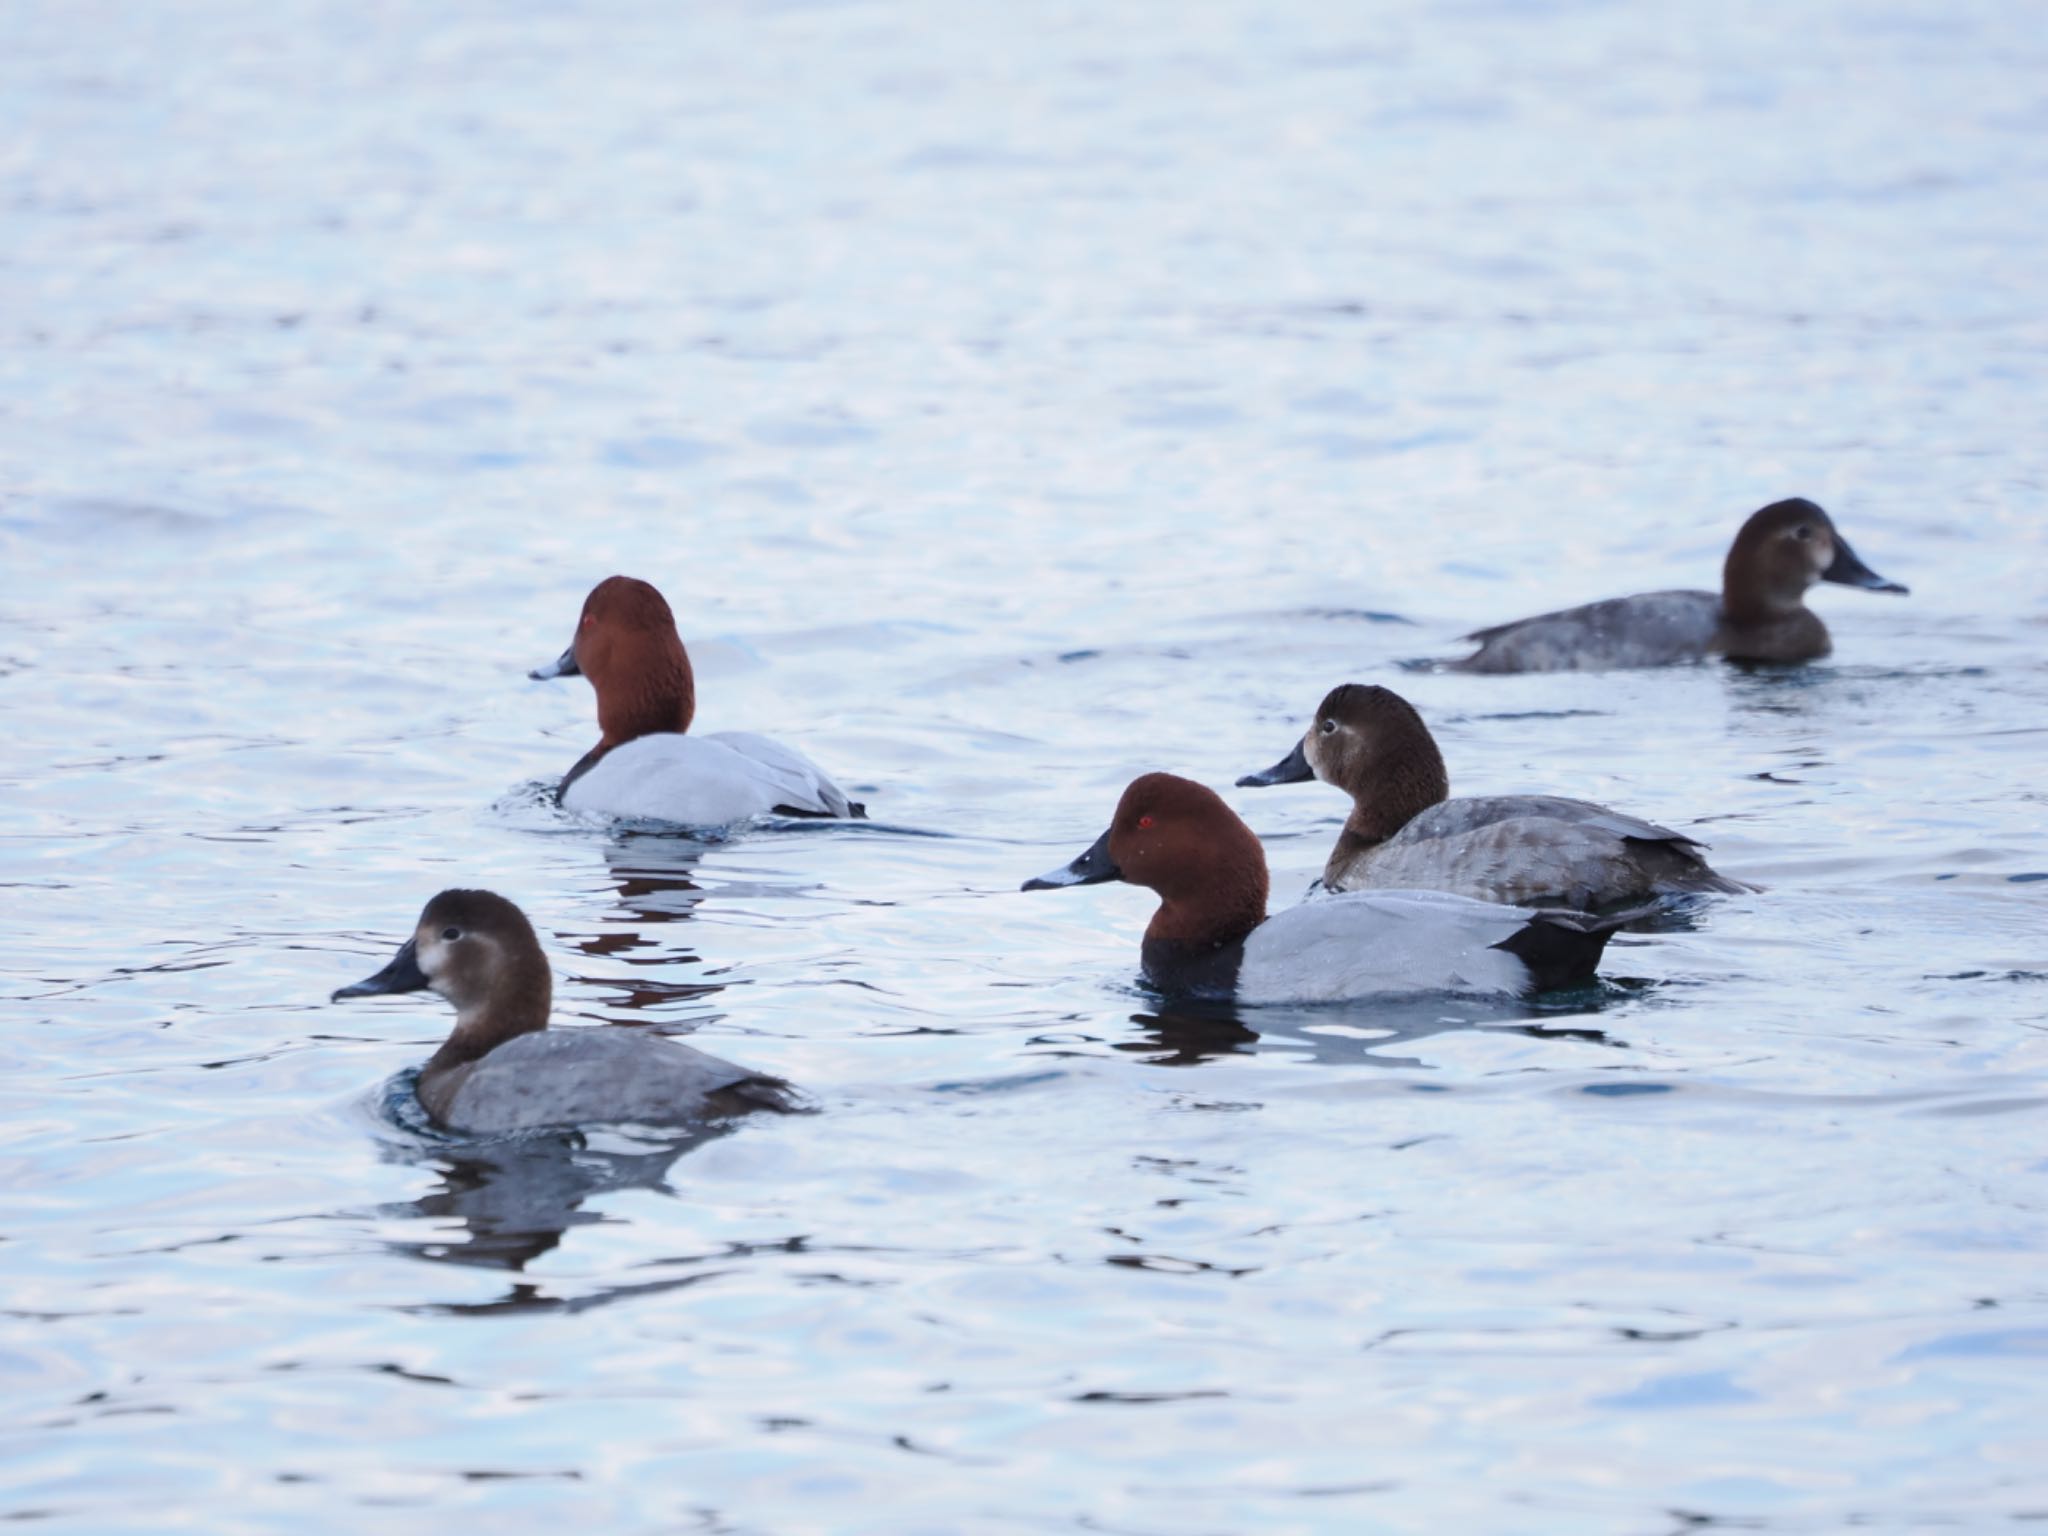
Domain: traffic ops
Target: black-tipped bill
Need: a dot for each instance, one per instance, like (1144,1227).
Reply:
(1852,572)
(563,665)
(1291,769)
(403,974)
(1092,868)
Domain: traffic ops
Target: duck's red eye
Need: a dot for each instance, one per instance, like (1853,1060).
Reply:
(1144,822)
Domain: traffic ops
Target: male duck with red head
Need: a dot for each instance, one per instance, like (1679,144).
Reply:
(503,1070)
(644,766)
(1759,615)
(1211,935)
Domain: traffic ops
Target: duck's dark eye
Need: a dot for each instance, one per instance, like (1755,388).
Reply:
(1329,727)
(1802,532)
(451,934)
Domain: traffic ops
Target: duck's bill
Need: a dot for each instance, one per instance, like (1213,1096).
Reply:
(1291,769)
(1091,868)
(563,665)
(1847,569)
(403,974)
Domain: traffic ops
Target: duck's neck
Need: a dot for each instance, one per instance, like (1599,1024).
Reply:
(1222,914)
(1396,797)
(1797,635)
(1196,944)
(1755,594)
(656,694)
(1750,605)
(517,1005)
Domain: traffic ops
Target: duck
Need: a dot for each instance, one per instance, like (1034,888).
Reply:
(1404,832)
(502,1070)
(1212,938)
(1759,615)
(645,766)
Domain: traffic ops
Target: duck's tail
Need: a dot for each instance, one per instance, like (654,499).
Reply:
(855,811)
(761,1092)
(1703,879)
(1562,948)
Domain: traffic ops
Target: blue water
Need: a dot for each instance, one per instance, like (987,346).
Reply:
(1011,400)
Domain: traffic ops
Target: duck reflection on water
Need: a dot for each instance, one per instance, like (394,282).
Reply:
(1189,1033)
(655,878)
(501,1204)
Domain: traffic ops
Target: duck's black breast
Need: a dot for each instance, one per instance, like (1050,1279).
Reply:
(1192,970)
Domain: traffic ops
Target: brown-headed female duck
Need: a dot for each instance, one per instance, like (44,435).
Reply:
(644,766)
(1759,615)
(1211,935)
(1534,850)
(502,1070)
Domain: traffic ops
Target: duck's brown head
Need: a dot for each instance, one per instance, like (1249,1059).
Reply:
(477,950)
(1782,550)
(1176,837)
(1369,742)
(626,644)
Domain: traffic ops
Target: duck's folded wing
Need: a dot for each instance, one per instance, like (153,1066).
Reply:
(1647,630)
(711,780)
(1362,943)
(606,1076)
(1471,812)
(798,785)
(1539,850)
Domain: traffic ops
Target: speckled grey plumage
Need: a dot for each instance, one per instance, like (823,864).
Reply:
(1651,629)
(1538,850)
(591,1076)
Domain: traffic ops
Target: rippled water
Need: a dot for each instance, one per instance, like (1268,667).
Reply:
(1009,401)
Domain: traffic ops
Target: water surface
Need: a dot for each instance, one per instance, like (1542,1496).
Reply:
(1009,404)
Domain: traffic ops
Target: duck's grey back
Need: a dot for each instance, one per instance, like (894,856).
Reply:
(594,1076)
(1368,942)
(1651,629)
(1448,818)
(708,780)
(1533,850)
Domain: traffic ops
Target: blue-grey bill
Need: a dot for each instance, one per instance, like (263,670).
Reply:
(563,665)
(1291,769)
(1850,571)
(403,974)
(1091,868)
